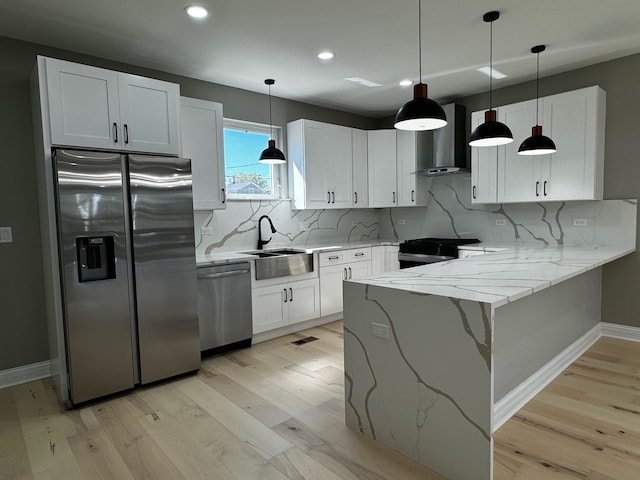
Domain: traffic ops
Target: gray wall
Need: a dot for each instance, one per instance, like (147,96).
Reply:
(23,331)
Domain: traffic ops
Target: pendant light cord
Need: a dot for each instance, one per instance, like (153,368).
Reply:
(537,86)
(270,122)
(491,66)
(420,39)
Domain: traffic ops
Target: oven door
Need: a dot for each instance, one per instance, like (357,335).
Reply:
(408,260)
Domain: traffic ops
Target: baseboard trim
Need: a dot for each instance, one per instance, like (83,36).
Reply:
(25,373)
(507,406)
(623,332)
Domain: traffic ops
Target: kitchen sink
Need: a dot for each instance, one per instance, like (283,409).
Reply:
(281,262)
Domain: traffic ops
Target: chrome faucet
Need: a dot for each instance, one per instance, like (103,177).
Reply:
(262,243)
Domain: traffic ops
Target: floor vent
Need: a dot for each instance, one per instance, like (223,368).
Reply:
(302,341)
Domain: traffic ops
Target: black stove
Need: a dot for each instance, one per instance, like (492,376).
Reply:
(421,251)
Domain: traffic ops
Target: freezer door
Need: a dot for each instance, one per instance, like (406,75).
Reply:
(93,260)
(164,266)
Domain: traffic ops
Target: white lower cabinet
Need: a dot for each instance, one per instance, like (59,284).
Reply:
(384,258)
(335,267)
(284,304)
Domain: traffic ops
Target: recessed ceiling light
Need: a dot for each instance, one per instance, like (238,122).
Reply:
(405,83)
(326,55)
(196,11)
(488,72)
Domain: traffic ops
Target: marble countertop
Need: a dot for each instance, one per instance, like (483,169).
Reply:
(224,257)
(498,278)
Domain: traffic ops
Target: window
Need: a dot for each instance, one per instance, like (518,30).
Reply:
(245,178)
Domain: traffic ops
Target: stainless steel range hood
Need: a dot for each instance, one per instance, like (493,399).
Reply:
(444,151)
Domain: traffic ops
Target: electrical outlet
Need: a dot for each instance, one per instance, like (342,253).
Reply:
(401,221)
(206,230)
(501,222)
(6,235)
(380,330)
(579,222)
(304,226)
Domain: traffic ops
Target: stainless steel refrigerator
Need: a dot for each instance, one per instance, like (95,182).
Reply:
(127,261)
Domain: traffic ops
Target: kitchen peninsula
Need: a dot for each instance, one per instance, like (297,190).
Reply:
(430,351)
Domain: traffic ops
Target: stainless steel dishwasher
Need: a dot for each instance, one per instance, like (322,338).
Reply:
(224,306)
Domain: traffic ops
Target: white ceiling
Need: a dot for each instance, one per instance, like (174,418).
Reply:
(242,42)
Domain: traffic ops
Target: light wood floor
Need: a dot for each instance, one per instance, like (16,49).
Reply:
(275,412)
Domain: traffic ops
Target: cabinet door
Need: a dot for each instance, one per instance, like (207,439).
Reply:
(381,154)
(392,263)
(149,114)
(518,175)
(575,122)
(331,288)
(316,156)
(269,308)
(378,259)
(406,164)
(360,168)
(201,140)
(358,269)
(83,105)
(484,168)
(304,300)
(339,166)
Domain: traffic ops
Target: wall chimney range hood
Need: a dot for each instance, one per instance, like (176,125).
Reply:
(444,151)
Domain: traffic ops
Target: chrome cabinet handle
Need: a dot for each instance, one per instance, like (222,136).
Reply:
(285,295)
(537,189)
(413,198)
(126,133)
(291,294)
(115,132)
(544,188)
(224,195)
(356,197)
(359,254)
(473,192)
(334,257)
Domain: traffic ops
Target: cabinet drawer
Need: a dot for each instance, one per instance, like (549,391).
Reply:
(357,254)
(331,258)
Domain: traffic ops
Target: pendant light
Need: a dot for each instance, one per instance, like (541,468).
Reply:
(421,113)
(537,144)
(271,154)
(491,132)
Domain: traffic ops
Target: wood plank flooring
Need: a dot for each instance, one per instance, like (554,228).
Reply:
(275,412)
(584,425)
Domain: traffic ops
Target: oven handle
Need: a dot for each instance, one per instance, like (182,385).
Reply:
(423,258)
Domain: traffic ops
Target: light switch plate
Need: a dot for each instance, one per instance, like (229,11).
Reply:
(579,222)
(380,330)
(6,235)
(501,222)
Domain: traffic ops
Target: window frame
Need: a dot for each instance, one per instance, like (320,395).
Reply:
(277,171)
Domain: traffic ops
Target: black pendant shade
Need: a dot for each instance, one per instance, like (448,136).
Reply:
(271,154)
(421,113)
(491,132)
(537,144)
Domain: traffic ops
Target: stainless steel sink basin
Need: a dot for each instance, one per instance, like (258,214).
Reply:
(281,263)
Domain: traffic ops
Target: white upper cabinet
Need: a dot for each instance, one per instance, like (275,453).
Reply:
(412,188)
(360,168)
(484,168)
(97,108)
(575,121)
(383,188)
(320,165)
(201,140)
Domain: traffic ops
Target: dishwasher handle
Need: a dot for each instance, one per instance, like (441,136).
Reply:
(223,274)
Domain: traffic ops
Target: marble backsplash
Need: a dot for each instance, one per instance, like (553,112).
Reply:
(236,228)
(449,213)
